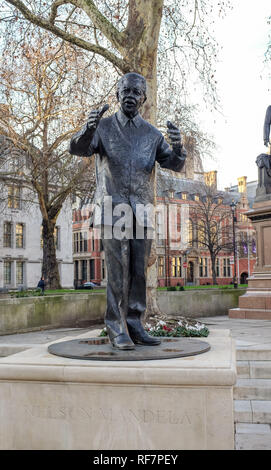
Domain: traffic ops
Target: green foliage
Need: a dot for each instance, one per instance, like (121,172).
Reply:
(181,329)
(26,293)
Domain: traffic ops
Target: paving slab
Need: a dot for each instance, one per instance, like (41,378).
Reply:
(252,389)
(260,369)
(242,411)
(251,436)
(261,411)
(243,369)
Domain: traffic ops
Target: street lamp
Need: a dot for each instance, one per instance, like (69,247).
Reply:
(233,210)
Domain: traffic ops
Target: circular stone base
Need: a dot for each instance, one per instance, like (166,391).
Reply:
(100,349)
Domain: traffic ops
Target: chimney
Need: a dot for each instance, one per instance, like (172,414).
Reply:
(210,178)
(242,184)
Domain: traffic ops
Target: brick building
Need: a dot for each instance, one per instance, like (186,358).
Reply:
(176,265)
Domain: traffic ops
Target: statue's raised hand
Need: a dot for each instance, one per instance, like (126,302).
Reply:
(95,116)
(173,133)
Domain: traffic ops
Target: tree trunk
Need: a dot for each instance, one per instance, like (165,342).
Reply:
(213,261)
(142,57)
(49,264)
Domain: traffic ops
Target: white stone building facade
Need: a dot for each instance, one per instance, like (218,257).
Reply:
(21,243)
(20,230)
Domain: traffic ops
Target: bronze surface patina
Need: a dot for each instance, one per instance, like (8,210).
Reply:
(99,349)
(126,149)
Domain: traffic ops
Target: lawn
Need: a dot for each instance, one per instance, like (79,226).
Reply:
(72,291)
(227,286)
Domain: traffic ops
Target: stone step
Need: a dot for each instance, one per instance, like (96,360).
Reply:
(252,389)
(250,436)
(250,314)
(255,300)
(254,353)
(243,370)
(254,369)
(252,411)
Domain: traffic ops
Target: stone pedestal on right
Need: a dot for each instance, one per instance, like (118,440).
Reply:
(256,302)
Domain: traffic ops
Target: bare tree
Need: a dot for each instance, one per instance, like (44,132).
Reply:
(211,220)
(43,90)
(167,41)
(134,36)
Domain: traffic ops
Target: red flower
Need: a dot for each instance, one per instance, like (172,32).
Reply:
(166,328)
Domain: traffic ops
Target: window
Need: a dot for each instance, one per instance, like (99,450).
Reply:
(19,272)
(84,269)
(75,242)
(196,198)
(19,235)
(184,196)
(226,267)
(161,266)
(242,217)
(92,268)
(190,233)
(7,239)
(176,270)
(203,267)
(83,241)
(7,272)
(14,197)
(80,242)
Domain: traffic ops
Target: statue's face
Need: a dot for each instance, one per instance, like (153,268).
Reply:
(131,95)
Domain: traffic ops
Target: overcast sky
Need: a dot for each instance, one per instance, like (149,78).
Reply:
(244,89)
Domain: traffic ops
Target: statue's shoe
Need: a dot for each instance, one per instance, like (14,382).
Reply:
(139,335)
(122,342)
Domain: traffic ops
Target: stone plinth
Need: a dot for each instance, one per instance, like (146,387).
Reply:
(256,302)
(50,402)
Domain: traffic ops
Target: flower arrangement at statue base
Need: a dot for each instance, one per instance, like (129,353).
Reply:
(182,328)
(162,325)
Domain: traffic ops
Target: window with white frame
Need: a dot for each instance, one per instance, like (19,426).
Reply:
(7,235)
(19,272)
(19,235)
(7,272)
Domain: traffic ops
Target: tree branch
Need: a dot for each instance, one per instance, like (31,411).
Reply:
(45,24)
(116,38)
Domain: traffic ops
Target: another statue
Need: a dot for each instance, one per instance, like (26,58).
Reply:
(126,148)
(266,127)
(264,162)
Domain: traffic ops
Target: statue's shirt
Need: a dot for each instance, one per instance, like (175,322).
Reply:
(126,151)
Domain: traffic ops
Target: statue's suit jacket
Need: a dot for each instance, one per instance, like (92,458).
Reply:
(126,151)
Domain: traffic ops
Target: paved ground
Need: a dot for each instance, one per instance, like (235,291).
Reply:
(43,336)
(245,332)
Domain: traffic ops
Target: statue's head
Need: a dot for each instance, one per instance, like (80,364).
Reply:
(131,92)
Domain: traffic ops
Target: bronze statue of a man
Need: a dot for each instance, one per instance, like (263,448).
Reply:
(126,148)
